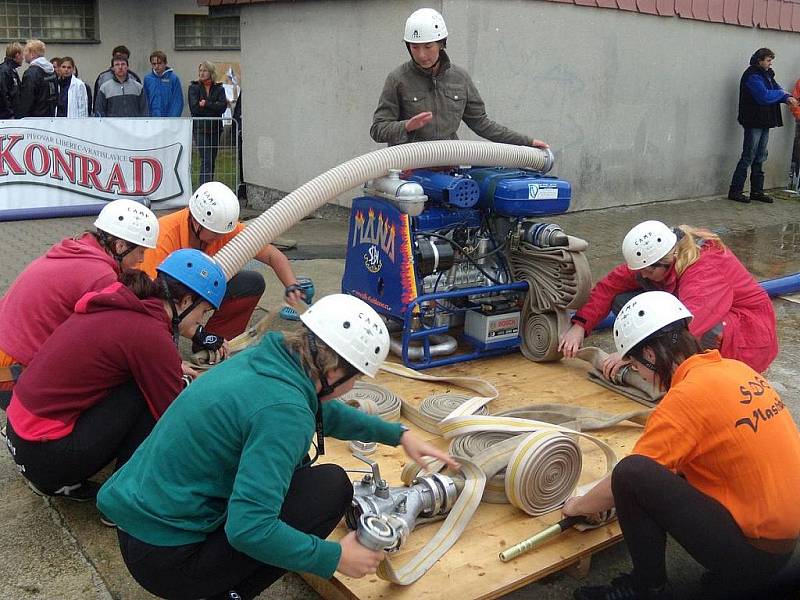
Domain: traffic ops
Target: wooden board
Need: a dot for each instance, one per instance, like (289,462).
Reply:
(472,568)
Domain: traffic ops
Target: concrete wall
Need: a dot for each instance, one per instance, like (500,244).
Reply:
(638,108)
(142,26)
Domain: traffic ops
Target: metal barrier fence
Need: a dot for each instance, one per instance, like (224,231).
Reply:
(216,151)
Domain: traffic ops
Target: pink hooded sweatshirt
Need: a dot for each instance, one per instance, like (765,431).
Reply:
(45,293)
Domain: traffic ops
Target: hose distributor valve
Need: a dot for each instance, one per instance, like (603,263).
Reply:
(384,516)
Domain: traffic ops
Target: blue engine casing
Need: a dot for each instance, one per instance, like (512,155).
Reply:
(414,269)
(521,193)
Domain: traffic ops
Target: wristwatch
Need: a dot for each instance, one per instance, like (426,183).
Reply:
(403,429)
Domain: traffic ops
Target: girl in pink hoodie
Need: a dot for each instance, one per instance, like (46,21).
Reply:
(45,293)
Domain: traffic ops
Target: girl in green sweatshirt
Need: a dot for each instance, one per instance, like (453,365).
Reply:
(222,499)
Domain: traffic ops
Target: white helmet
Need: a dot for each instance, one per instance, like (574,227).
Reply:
(643,315)
(215,207)
(425,25)
(129,221)
(647,243)
(351,328)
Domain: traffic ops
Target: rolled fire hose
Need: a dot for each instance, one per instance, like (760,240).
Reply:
(304,200)
(628,382)
(559,278)
(538,476)
(387,403)
(433,409)
(572,417)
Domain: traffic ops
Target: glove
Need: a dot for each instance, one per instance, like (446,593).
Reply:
(292,288)
(203,340)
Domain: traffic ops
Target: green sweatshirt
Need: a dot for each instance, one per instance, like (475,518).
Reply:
(224,454)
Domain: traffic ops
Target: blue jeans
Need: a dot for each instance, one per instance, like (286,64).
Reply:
(754,155)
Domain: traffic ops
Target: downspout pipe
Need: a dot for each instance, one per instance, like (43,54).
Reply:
(789,284)
(307,198)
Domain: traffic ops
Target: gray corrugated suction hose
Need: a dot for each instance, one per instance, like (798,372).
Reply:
(323,188)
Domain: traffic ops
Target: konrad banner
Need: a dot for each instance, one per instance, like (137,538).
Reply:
(69,167)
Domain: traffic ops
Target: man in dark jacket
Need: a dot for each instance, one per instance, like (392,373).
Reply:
(121,96)
(9,80)
(760,97)
(38,91)
(108,74)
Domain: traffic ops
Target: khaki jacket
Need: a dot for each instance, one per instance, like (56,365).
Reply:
(451,96)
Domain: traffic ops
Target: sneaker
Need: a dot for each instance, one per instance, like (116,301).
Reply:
(761,197)
(106,521)
(738,196)
(80,492)
(622,588)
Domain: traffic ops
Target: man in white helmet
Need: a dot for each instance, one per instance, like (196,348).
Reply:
(731,311)
(44,294)
(210,221)
(246,504)
(428,97)
(717,467)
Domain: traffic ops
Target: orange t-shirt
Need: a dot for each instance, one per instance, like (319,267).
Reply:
(173,234)
(728,432)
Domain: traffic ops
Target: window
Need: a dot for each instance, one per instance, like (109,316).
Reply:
(193,32)
(48,20)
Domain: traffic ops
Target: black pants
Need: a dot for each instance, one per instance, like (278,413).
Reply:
(110,430)
(652,502)
(315,503)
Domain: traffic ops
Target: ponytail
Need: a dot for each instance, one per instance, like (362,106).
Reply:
(687,250)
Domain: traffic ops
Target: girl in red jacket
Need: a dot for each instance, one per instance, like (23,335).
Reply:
(731,311)
(45,293)
(98,384)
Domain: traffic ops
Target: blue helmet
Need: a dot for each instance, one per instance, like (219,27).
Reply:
(197,271)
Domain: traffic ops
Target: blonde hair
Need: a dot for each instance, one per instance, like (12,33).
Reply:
(211,68)
(36,47)
(13,49)
(296,342)
(687,250)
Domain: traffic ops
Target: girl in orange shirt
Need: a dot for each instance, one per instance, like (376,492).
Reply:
(717,467)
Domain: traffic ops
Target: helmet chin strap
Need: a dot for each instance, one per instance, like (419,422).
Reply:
(326,389)
(177,318)
(105,238)
(197,229)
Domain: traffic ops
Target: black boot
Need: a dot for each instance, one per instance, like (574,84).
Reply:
(761,197)
(622,588)
(737,196)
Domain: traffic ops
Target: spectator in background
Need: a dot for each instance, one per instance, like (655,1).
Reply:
(74,96)
(118,52)
(9,80)
(207,99)
(121,96)
(38,91)
(241,193)
(56,62)
(163,88)
(760,98)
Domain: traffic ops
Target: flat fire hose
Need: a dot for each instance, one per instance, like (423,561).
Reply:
(628,382)
(538,476)
(559,279)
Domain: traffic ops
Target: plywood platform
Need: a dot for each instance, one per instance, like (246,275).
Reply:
(472,568)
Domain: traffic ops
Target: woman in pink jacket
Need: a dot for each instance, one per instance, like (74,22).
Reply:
(45,293)
(731,311)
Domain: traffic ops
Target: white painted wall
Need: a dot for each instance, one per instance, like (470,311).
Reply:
(638,108)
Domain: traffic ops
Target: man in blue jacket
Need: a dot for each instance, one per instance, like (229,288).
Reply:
(163,88)
(760,97)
